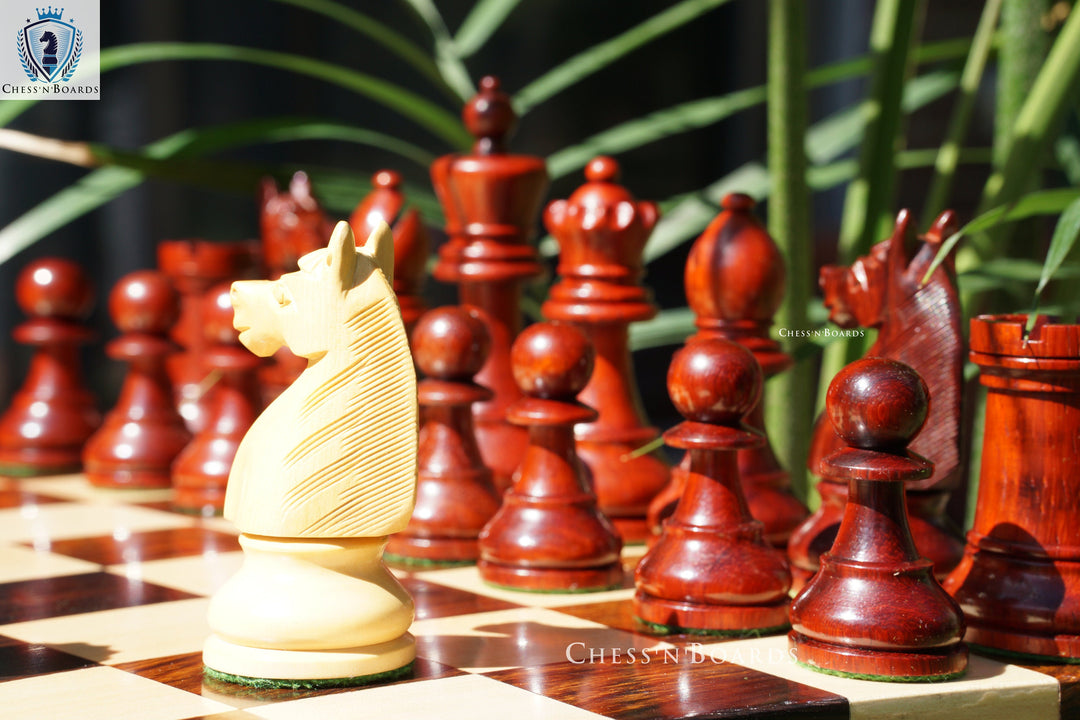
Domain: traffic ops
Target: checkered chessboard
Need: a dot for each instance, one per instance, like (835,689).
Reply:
(103,599)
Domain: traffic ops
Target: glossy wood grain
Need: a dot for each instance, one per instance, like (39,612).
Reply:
(143,433)
(602,230)
(711,569)
(53,413)
(455,496)
(548,534)
(1019,580)
(874,608)
(919,325)
(491,200)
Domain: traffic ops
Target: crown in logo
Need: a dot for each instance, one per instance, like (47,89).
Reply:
(49,14)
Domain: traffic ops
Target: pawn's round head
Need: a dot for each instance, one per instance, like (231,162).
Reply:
(144,301)
(54,288)
(714,381)
(877,404)
(552,360)
(217,316)
(451,342)
(489,116)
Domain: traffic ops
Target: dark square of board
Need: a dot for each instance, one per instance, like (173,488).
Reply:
(12,496)
(435,601)
(666,689)
(74,594)
(146,546)
(20,659)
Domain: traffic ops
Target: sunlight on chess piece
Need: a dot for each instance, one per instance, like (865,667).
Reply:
(325,474)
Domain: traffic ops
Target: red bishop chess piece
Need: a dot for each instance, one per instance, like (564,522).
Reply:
(734,284)
(549,535)
(52,414)
(1019,580)
(201,472)
(874,609)
(455,496)
(386,203)
(194,266)
(292,223)
(143,433)
(711,571)
(602,231)
(491,200)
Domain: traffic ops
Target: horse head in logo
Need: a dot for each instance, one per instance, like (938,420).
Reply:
(49,53)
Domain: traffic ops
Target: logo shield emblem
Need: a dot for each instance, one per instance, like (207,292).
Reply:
(49,48)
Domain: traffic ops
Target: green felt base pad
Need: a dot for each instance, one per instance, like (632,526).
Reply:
(425,562)
(884,678)
(659,629)
(309,684)
(1026,658)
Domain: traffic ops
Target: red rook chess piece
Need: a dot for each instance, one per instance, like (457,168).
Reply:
(602,231)
(548,535)
(874,610)
(711,570)
(386,203)
(201,472)
(491,200)
(52,414)
(455,496)
(1019,579)
(143,433)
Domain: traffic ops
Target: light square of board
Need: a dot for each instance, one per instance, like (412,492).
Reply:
(100,693)
(198,574)
(467,697)
(21,563)
(39,525)
(512,638)
(123,635)
(989,690)
(75,487)
(469,580)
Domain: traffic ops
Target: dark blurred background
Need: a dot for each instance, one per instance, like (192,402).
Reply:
(717,53)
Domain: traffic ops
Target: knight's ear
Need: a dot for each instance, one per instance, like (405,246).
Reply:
(380,247)
(341,254)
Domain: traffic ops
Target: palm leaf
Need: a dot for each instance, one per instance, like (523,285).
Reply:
(447,58)
(484,19)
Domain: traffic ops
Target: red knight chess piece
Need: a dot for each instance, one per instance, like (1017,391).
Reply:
(491,200)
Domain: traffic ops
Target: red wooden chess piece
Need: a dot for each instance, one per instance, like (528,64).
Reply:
(711,570)
(194,266)
(51,416)
(455,496)
(201,472)
(292,223)
(491,200)
(549,534)
(874,610)
(919,325)
(1019,579)
(143,433)
(602,231)
(386,203)
(734,284)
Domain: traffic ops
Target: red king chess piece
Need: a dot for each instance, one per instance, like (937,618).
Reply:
(455,496)
(734,284)
(292,223)
(711,571)
(491,200)
(549,535)
(602,231)
(52,414)
(143,433)
(386,203)
(874,609)
(194,266)
(201,472)
(1019,579)
(918,324)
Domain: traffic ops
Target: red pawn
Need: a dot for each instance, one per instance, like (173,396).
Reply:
(52,415)
(874,608)
(386,203)
(201,472)
(144,432)
(548,534)
(455,496)
(711,571)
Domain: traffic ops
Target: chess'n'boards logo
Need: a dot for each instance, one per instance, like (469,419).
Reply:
(50,47)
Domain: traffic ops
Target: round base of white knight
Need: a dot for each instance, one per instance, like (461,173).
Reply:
(345,663)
